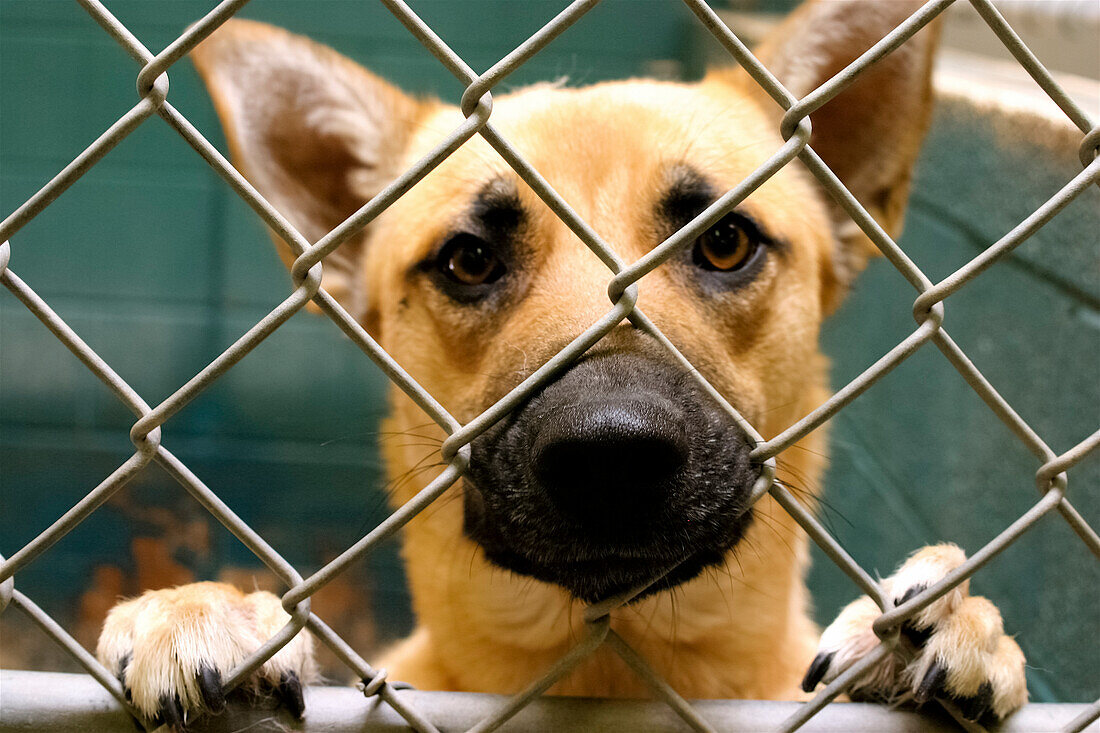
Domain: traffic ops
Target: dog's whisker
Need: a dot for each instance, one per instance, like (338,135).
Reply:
(819,506)
(417,468)
(441,502)
(419,444)
(743,582)
(384,435)
(784,532)
(387,492)
(811,451)
(434,439)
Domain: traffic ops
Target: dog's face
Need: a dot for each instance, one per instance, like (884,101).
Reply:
(603,478)
(622,467)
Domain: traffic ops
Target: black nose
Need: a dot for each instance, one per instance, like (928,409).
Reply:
(612,457)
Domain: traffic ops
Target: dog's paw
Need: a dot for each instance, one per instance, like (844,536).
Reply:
(963,654)
(172,648)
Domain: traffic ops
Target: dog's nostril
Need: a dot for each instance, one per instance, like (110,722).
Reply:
(596,459)
(607,466)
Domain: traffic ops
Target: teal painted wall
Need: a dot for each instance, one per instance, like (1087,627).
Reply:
(158,267)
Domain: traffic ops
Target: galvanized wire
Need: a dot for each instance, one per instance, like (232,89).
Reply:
(623,285)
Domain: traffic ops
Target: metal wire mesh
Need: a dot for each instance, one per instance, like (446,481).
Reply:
(622,290)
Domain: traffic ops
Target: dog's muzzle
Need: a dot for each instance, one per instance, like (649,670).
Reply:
(620,472)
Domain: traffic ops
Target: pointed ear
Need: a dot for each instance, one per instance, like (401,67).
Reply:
(869,134)
(315,133)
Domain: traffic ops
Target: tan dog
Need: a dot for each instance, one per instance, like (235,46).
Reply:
(622,466)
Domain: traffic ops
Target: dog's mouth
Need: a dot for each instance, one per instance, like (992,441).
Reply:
(620,475)
(594,580)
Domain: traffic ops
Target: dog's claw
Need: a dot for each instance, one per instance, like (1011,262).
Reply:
(910,593)
(932,683)
(210,685)
(290,693)
(918,637)
(916,634)
(977,706)
(171,713)
(817,670)
(121,675)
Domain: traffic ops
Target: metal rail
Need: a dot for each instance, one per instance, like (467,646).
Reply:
(69,703)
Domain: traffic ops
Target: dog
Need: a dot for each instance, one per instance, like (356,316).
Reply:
(622,469)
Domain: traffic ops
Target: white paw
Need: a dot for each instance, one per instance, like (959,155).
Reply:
(172,648)
(963,654)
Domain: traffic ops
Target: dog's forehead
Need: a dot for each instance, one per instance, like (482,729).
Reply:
(591,131)
(610,146)
(626,113)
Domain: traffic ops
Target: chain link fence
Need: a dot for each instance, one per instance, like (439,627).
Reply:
(1051,475)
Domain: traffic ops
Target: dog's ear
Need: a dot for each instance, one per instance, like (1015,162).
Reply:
(314,132)
(869,134)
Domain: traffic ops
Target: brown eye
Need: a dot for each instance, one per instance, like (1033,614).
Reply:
(726,246)
(469,260)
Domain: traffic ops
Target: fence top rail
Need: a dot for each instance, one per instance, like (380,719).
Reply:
(76,703)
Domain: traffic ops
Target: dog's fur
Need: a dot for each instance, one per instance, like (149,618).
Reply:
(622,466)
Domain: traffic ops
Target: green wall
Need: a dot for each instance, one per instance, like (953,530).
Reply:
(155,263)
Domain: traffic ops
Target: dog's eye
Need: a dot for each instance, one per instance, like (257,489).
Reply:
(727,246)
(469,260)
